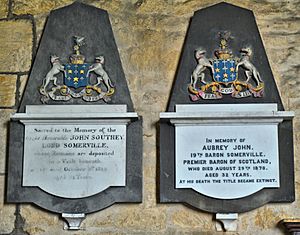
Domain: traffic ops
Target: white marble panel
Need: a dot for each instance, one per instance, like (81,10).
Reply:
(227,161)
(74,160)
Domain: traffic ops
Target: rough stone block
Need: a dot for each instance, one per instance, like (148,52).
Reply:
(15,45)
(149,125)
(150,196)
(38,221)
(115,6)
(4,118)
(7,217)
(134,218)
(264,220)
(102,219)
(146,7)
(3,8)
(36,7)
(294,105)
(23,81)
(40,24)
(187,218)
(7,90)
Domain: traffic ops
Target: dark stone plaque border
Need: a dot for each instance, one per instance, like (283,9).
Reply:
(132,192)
(168,192)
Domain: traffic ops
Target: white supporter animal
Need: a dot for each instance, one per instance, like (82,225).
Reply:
(203,64)
(57,67)
(250,69)
(98,69)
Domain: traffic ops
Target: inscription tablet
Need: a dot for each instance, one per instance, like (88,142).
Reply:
(74,161)
(227,161)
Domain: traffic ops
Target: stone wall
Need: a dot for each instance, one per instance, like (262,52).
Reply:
(149,35)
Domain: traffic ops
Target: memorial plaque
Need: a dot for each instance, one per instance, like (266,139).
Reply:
(226,143)
(227,161)
(76,143)
(74,157)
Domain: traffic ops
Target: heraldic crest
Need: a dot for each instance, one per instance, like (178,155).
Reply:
(76,80)
(224,74)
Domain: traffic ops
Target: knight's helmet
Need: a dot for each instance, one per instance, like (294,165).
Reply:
(223,52)
(77,58)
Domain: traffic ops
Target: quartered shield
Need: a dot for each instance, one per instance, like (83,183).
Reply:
(225,70)
(76,75)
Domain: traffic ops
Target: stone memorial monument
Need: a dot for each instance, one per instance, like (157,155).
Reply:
(226,143)
(76,142)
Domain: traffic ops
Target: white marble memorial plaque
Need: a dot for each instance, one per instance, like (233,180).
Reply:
(74,160)
(227,161)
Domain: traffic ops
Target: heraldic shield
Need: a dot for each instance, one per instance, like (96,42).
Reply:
(224,71)
(76,80)
(76,75)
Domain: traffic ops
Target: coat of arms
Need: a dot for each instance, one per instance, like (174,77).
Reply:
(224,74)
(76,80)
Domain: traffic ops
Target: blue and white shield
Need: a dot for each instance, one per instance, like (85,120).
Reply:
(225,70)
(76,75)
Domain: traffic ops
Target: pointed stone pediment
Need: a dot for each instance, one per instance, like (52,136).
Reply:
(203,32)
(57,39)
